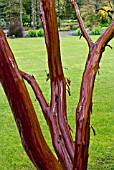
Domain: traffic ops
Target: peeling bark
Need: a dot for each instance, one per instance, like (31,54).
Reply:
(23,111)
(58,83)
(70,156)
(84,107)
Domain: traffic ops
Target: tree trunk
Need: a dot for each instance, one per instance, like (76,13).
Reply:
(33,13)
(37,14)
(22,108)
(69,156)
(21,12)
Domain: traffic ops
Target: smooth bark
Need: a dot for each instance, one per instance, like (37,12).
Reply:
(70,156)
(84,107)
(23,111)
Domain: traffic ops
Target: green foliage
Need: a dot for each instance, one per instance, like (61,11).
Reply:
(103,17)
(88,14)
(40,33)
(65,11)
(71,21)
(27,6)
(15,28)
(26,20)
(78,31)
(27,14)
(36,33)
(69,25)
(2,23)
(105,24)
(69,10)
(64,28)
(103,28)
(96,31)
(9,10)
(32,33)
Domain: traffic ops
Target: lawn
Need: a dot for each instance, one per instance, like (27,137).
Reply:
(31,57)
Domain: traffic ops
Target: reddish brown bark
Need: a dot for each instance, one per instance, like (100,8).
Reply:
(58,84)
(22,108)
(85,102)
(69,156)
(52,122)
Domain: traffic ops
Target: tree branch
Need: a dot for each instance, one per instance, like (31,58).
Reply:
(24,113)
(49,21)
(38,93)
(85,103)
(62,151)
(107,35)
(52,122)
(58,141)
(81,24)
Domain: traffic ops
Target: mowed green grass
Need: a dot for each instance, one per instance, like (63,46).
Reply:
(31,57)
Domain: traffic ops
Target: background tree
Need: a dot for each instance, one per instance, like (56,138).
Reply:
(37,14)
(27,17)
(88,14)
(10,10)
(21,12)
(65,13)
(33,12)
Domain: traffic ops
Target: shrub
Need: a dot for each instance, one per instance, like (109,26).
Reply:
(74,27)
(2,23)
(64,28)
(78,31)
(103,29)
(104,24)
(40,33)
(96,31)
(32,33)
(15,28)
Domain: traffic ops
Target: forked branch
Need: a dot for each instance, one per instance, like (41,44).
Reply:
(52,122)
(38,93)
(57,80)
(55,112)
(22,108)
(81,24)
(84,107)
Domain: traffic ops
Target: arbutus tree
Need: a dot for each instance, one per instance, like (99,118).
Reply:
(70,156)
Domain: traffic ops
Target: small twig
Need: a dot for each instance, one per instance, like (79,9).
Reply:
(38,93)
(93,130)
(98,72)
(47,75)
(110,3)
(68,81)
(81,24)
(109,46)
(65,68)
(81,36)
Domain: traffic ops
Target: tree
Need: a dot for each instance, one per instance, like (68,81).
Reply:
(27,17)
(89,11)
(34,13)
(88,14)
(37,14)
(71,13)
(21,11)
(10,10)
(70,156)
